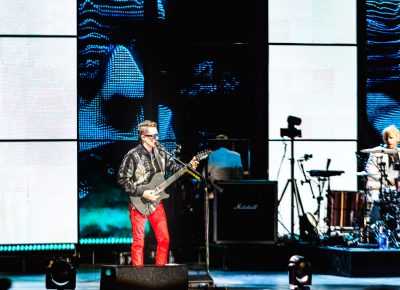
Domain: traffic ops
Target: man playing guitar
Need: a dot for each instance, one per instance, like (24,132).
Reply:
(138,175)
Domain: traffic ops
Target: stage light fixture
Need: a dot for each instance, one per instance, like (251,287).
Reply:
(5,283)
(299,272)
(60,274)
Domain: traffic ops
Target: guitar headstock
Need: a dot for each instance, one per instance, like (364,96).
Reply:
(203,154)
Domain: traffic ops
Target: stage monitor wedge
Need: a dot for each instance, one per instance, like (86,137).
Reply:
(169,277)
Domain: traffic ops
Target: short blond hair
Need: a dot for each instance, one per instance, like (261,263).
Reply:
(392,129)
(144,127)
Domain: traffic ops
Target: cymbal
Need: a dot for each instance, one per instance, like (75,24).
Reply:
(364,173)
(379,150)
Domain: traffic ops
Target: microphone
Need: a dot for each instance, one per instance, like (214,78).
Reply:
(307,156)
(160,147)
(328,162)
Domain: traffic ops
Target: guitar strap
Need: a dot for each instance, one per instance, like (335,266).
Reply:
(160,161)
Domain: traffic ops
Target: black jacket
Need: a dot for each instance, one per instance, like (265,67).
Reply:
(139,166)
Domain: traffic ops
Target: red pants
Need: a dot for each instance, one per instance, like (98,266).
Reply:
(158,222)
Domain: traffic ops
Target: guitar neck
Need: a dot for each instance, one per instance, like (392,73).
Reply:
(163,185)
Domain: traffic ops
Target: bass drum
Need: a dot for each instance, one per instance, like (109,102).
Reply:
(346,208)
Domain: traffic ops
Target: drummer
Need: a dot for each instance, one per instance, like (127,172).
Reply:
(383,164)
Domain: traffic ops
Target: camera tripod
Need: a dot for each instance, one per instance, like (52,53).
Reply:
(295,195)
(295,198)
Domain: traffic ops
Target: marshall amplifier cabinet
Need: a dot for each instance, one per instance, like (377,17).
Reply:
(245,211)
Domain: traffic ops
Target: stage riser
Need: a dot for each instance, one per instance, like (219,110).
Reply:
(359,262)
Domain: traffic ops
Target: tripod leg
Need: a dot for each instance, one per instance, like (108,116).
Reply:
(299,204)
(283,192)
(279,202)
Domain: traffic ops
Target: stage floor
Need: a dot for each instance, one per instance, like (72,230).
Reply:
(89,279)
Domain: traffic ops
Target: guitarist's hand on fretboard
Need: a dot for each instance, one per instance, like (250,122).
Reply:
(194,163)
(150,195)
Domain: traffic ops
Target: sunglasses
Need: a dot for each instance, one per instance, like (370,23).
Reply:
(154,136)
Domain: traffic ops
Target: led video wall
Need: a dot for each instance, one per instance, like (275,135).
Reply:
(383,78)
(38,115)
(111,105)
(195,84)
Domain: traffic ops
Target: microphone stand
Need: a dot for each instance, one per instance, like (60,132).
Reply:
(207,279)
(306,179)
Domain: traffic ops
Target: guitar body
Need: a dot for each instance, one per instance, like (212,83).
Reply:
(159,184)
(147,207)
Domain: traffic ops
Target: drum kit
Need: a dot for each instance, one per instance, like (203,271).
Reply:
(354,210)
(383,214)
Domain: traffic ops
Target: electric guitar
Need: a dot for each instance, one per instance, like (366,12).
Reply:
(159,184)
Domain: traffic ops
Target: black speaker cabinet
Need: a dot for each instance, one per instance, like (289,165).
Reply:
(171,277)
(245,211)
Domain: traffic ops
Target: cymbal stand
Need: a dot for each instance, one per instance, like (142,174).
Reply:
(364,193)
(382,171)
(306,179)
(321,185)
(328,193)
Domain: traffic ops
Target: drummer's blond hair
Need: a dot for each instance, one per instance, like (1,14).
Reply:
(392,129)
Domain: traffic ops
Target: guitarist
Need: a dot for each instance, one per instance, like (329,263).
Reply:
(136,170)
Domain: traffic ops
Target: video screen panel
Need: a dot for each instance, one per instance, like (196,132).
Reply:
(383,78)
(211,88)
(312,21)
(38,192)
(317,84)
(38,88)
(111,105)
(38,17)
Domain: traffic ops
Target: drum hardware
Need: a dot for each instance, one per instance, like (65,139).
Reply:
(342,230)
(308,223)
(391,234)
(306,179)
(388,221)
(324,176)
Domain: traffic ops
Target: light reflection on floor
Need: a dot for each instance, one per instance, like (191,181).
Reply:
(89,279)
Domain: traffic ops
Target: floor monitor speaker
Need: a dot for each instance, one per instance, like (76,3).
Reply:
(170,277)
